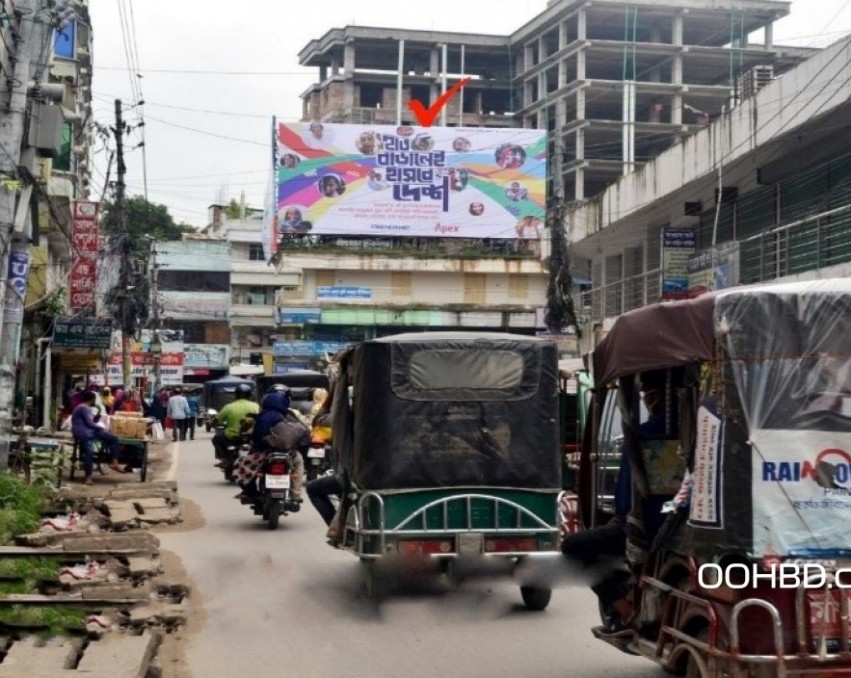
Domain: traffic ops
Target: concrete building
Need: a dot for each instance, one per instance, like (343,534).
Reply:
(621,80)
(253,283)
(765,190)
(63,177)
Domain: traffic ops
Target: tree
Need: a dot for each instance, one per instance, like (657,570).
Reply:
(233,210)
(143,218)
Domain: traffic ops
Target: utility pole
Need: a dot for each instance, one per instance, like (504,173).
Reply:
(156,345)
(560,312)
(125,316)
(25,35)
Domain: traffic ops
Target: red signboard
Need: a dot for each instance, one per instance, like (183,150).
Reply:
(84,255)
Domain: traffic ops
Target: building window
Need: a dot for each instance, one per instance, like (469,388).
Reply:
(400,285)
(474,288)
(255,252)
(518,287)
(62,162)
(324,278)
(63,41)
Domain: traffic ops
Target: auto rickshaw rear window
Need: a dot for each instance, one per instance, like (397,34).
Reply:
(473,369)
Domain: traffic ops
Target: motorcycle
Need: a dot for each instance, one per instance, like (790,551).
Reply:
(235,448)
(317,460)
(274,498)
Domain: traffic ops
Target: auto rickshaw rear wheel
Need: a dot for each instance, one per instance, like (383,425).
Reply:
(535,598)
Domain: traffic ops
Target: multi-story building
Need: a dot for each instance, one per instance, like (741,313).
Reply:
(619,81)
(64,175)
(253,283)
(761,194)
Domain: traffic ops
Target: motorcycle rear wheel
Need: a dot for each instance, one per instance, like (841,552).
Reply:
(273,513)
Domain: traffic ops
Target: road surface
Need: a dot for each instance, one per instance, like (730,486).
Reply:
(284,603)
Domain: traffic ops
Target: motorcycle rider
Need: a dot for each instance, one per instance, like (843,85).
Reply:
(232,416)
(276,428)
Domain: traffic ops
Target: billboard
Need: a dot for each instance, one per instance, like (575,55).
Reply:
(84,256)
(382,180)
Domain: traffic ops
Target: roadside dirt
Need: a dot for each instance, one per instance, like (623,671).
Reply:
(172,653)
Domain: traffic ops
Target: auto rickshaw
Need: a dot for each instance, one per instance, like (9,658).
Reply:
(751,467)
(218,393)
(301,383)
(450,447)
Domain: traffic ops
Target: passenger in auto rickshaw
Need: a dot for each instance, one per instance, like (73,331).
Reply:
(606,546)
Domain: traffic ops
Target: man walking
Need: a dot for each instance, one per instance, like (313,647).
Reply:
(178,411)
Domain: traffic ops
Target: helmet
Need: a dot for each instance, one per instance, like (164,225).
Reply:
(243,391)
(279,388)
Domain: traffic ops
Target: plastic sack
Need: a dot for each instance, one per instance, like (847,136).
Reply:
(157,432)
(66,424)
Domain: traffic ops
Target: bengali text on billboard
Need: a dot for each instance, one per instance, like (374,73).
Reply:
(334,179)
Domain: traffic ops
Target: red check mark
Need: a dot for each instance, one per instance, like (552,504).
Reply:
(426,116)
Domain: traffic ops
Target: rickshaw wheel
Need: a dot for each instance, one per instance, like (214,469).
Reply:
(534,598)
(696,666)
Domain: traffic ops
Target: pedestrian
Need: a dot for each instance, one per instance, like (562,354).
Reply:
(194,412)
(178,411)
(85,429)
(108,400)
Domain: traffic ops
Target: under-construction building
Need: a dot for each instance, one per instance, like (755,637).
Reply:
(621,80)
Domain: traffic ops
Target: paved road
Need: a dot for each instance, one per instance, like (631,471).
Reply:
(285,604)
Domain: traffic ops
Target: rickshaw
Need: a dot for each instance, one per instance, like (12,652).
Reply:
(751,467)
(301,383)
(450,448)
(218,393)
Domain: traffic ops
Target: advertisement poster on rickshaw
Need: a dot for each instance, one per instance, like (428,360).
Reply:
(705,509)
(802,492)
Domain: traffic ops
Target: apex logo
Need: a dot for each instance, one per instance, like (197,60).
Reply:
(447,228)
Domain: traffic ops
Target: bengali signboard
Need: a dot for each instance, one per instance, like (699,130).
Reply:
(678,246)
(195,305)
(91,333)
(343,292)
(299,316)
(17,272)
(282,349)
(209,356)
(142,365)
(379,180)
(714,269)
(84,256)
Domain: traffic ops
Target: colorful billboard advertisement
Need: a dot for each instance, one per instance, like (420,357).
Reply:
(382,180)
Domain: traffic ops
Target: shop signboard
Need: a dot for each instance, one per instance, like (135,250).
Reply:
(91,333)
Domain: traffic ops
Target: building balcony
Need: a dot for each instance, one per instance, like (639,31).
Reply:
(248,311)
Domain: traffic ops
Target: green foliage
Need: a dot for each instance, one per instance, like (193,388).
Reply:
(33,570)
(20,507)
(143,218)
(57,620)
(233,210)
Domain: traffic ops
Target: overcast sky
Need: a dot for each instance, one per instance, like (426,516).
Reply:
(214,73)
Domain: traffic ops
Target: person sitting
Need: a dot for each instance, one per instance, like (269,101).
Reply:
(231,418)
(589,547)
(276,428)
(85,429)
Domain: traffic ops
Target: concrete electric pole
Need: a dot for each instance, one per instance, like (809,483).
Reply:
(125,313)
(29,33)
